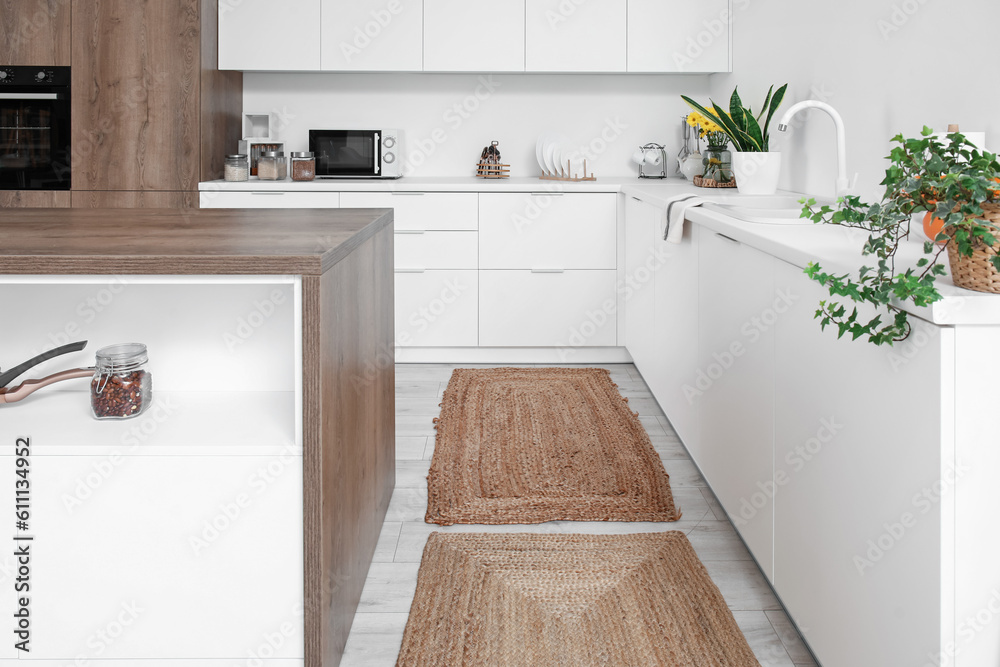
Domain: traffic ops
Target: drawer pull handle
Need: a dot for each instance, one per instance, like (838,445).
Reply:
(411,231)
(547,194)
(410,270)
(637,199)
(267,193)
(409,194)
(728,238)
(547,270)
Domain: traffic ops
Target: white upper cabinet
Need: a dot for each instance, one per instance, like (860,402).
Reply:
(679,36)
(474,35)
(373,35)
(269,35)
(574,36)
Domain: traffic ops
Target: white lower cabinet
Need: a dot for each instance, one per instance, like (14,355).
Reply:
(437,308)
(639,283)
(563,309)
(168,557)
(674,365)
(421,211)
(732,389)
(858,510)
(269,199)
(436,250)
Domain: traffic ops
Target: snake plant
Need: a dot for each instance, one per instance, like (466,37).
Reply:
(748,133)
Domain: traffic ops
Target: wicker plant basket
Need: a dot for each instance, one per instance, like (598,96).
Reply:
(977,272)
(710,183)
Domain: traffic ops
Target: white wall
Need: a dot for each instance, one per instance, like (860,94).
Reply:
(888,66)
(446,126)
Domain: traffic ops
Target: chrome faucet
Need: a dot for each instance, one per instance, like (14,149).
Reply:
(842,183)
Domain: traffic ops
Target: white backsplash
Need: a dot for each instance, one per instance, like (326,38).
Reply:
(447,119)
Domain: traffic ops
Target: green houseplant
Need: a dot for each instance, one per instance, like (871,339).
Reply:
(756,168)
(953,181)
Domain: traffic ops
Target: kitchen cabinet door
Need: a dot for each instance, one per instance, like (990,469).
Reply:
(548,230)
(135,551)
(732,388)
(437,308)
(372,35)
(563,36)
(436,250)
(270,35)
(269,199)
(474,35)
(639,287)
(679,36)
(421,211)
(35,32)
(564,309)
(675,321)
(858,467)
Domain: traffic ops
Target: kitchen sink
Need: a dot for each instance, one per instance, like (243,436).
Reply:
(765,210)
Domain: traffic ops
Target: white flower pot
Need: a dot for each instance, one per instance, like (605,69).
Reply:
(757,173)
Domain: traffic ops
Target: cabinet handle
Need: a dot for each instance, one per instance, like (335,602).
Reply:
(547,194)
(637,199)
(410,270)
(411,231)
(548,270)
(728,238)
(408,194)
(267,193)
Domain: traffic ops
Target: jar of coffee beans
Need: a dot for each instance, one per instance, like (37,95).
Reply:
(303,166)
(122,387)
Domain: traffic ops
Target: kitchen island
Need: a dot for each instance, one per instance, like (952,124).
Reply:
(235,519)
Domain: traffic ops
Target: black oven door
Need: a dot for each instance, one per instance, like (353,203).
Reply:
(346,153)
(35,130)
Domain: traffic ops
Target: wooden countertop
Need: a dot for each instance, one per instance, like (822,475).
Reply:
(182,241)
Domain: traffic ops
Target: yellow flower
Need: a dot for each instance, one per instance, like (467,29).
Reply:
(695,119)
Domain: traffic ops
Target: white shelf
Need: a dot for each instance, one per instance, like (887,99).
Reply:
(59,423)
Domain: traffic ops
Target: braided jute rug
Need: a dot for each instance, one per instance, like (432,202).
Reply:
(528,445)
(533,600)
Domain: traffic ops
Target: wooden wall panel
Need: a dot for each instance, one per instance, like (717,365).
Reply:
(134,199)
(350,458)
(34,199)
(136,90)
(221,99)
(35,32)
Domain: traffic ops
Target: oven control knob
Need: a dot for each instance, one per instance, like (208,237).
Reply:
(388,158)
(41,76)
(389,142)
(6,75)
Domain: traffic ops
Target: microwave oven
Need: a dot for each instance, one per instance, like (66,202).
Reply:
(356,153)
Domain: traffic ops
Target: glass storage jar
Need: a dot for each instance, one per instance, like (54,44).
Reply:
(718,163)
(237,167)
(303,166)
(122,387)
(272,166)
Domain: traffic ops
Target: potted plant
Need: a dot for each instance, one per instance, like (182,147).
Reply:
(718,160)
(755,167)
(952,181)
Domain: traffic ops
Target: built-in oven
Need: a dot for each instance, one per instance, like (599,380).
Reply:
(356,153)
(34,128)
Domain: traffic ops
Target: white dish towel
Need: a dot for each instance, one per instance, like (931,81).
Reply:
(676,210)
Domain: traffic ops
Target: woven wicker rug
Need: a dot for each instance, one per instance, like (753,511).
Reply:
(520,600)
(527,445)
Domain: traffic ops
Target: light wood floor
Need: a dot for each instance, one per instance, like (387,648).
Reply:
(378,626)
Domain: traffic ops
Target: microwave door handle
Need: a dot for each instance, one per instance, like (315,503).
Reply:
(378,153)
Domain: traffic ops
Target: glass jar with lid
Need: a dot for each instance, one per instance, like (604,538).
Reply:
(272,166)
(122,387)
(303,166)
(237,167)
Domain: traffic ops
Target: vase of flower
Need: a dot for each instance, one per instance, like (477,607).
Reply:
(717,160)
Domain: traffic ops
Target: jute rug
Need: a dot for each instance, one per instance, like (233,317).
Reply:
(527,445)
(529,600)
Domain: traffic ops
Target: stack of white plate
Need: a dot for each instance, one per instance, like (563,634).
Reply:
(554,154)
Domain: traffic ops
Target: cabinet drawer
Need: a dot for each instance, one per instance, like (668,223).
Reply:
(533,309)
(437,308)
(417,249)
(422,210)
(269,199)
(548,231)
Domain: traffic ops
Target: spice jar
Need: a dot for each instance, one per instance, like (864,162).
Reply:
(122,387)
(303,166)
(272,166)
(237,167)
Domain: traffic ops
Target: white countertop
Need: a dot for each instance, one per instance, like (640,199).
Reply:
(836,249)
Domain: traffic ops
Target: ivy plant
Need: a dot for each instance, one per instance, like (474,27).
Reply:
(952,179)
